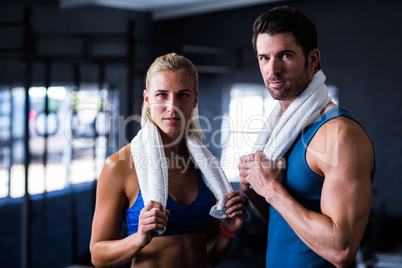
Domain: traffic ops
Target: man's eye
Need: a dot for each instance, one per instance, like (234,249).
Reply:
(263,58)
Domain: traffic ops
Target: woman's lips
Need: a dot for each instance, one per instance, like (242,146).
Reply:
(171,119)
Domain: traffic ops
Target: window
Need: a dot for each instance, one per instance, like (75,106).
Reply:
(249,106)
(79,129)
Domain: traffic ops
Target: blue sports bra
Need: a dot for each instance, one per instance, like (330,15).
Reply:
(193,218)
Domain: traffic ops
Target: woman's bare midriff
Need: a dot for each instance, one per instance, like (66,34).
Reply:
(184,250)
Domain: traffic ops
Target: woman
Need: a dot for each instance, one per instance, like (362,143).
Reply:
(170,102)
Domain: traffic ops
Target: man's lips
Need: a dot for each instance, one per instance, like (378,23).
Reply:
(277,84)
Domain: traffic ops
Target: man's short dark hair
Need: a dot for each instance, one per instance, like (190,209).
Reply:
(287,20)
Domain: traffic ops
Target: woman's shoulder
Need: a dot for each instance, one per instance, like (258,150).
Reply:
(121,157)
(120,164)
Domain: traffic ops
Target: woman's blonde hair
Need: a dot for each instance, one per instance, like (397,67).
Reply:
(173,62)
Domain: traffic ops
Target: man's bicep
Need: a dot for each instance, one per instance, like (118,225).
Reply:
(346,194)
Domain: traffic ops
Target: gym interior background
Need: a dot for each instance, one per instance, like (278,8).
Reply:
(82,68)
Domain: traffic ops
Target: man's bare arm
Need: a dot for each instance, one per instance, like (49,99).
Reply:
(346,196)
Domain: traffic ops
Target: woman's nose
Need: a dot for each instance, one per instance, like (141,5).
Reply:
(171,104)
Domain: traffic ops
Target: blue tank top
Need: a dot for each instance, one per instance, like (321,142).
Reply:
(285,249)
(193,218)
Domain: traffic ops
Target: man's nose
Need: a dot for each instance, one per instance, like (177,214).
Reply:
(274,67)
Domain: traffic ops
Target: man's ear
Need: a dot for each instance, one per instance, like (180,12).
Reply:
(313,59)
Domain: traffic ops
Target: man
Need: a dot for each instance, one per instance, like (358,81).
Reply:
(317,197)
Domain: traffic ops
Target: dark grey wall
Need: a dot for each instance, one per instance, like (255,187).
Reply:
(360,53)
(61,223)
(360,45)
(48,18)
(60,226)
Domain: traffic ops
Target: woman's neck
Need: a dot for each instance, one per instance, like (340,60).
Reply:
(178,157)
(172,144)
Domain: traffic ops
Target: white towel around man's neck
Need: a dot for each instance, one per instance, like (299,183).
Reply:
(281,130)
(151,166)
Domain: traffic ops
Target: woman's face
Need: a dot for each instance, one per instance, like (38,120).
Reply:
(171,98)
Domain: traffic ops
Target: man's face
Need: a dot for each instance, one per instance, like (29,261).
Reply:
(283,65)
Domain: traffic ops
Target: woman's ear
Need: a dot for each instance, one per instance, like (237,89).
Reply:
(146,97)
(196,99)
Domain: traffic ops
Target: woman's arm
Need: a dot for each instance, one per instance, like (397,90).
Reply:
(107,249)
(220,244)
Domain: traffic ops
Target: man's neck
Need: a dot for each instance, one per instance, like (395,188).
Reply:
(285,104)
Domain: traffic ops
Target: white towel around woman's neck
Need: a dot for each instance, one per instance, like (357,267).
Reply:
(281,130)
(151,166)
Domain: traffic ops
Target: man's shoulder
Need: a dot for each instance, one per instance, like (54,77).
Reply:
(341,128)
(337,140)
